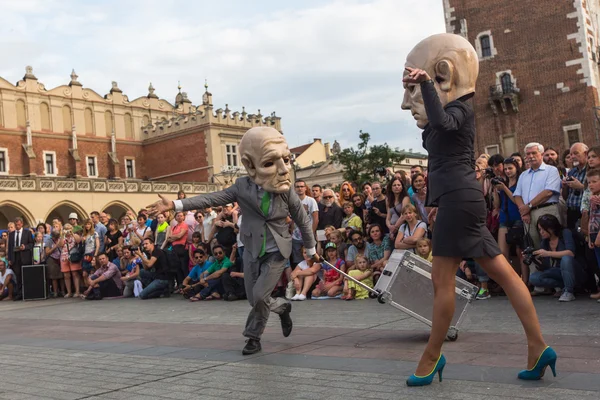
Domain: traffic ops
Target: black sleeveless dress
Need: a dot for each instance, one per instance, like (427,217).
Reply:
(460,229)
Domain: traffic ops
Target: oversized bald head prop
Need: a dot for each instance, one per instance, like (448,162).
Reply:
(267,158)
(452,63)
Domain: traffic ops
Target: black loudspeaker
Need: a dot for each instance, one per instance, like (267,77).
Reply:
(34,282)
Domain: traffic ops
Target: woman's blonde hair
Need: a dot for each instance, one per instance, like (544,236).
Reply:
(409,207)
(85,231)
(361,257)
(426,241)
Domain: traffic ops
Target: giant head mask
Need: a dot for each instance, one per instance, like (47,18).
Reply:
(267,158)
(451,62)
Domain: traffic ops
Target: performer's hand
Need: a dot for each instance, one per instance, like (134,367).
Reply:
(416,75)
(316,257)
(160,206)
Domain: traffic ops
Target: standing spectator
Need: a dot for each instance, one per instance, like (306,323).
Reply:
(312,210)
(519,158)
(224,228)
(346,192)
(591,265)
(70,269)
(414,171)
(329,212)
(207,224)
(43,229)
(368,193)
(20,247)
(411,231)
(192,223)
(156,259)
(92,247)
(557,258)
(7,282)
(358,201)
(178,239)
(317,192)
(162,229)
(566,160)
(420,194)
(142,230)
(181,195)
(537,190)
(53,248)
(99,227)
(104,218)
(496,162)
(574,184)
(74,221)
(199,218)
(397,199)
(105,282)
(550,156)
(39,255)
(378,214)
(113,239)
(379,248)
(357,248)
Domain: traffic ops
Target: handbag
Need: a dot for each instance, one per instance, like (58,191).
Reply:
(515,234)
(77,252)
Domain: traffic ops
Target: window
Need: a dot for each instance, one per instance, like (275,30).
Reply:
(3,161)
(420,162)
(130,168)
(231,152)
(45,116)
(67,121)
(92,169)
(128,126)
(21,115)
(89,120)
(572,134)
(486,47)
(50,163)
(509,144)
(493,149)
(108,122)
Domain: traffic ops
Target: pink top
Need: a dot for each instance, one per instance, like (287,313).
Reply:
(176,230)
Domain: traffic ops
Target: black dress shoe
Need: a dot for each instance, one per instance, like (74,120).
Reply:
(252,347)
(286,320)
(232,297)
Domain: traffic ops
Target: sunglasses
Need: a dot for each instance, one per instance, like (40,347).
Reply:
(328,197)
(300,187)
(218,253)
(198,257)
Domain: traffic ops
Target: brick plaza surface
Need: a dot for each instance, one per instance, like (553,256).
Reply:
(173,349)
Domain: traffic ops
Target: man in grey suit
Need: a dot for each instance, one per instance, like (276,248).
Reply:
(266,198)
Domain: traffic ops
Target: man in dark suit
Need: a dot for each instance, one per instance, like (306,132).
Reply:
(20,252)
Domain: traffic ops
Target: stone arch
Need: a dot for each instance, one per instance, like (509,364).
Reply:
(117,209)
(63,209)
(9,210)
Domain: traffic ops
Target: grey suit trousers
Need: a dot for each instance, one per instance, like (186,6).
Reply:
(260,278)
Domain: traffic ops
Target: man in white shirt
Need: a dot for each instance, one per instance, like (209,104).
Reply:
(537,193)
(209,218)
(7,281)
(312,210)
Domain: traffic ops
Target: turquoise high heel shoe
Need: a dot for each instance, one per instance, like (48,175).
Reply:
(547,358)
(415,380)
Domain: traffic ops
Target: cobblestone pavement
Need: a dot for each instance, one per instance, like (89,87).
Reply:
(173,349)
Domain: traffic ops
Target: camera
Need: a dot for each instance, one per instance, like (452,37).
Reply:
(381,171)
(489,172)
(496,181)
(570,178)
(529,258)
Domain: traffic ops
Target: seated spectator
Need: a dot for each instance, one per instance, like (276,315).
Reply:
(332,281)
(7,281)
(379,249)
(555,259)
(233,278)
(130,271)
(191,284)
(213,286)
(424,249)
(470,270)
(411,231)
(357,247)
(337,237)
(155,283)
(351,220)
(364,274)
(105,282)
(192,247)
(304,276)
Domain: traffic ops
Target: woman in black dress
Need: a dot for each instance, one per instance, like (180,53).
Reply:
(460,229)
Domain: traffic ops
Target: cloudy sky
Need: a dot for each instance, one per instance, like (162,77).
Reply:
(328,68)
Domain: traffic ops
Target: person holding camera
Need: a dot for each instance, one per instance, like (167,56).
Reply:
(555,259)
(511,226)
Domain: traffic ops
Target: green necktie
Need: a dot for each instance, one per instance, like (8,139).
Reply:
(265,203)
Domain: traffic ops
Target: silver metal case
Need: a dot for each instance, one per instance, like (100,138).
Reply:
(406,285)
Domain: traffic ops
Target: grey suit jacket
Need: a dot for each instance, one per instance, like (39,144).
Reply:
(245,192)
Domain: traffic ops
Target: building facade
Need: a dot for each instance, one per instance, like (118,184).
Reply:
(70,149)
(538,70)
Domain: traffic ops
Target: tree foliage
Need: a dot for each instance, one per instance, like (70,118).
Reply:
(360,163)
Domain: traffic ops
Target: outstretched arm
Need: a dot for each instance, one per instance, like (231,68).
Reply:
(201,201)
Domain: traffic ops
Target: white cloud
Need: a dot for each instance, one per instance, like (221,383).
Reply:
(328,68)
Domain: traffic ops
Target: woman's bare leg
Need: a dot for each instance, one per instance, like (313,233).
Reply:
(67,276)
(503,274)
(443,276)
(308,281)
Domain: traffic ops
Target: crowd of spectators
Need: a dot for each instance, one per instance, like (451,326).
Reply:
(544,212)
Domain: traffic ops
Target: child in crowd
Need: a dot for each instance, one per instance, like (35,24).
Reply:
(337,237)
(304,276)
(38,249)
(362,273)
(195,245)
(424,249)
(119,251)
(351,220)
(331,281)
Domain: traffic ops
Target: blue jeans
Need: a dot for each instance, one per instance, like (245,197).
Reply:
(596,249)
(154,289)
(563,276)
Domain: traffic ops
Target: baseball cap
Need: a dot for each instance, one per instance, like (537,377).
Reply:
(73,216)
(229,205)
(330,245)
